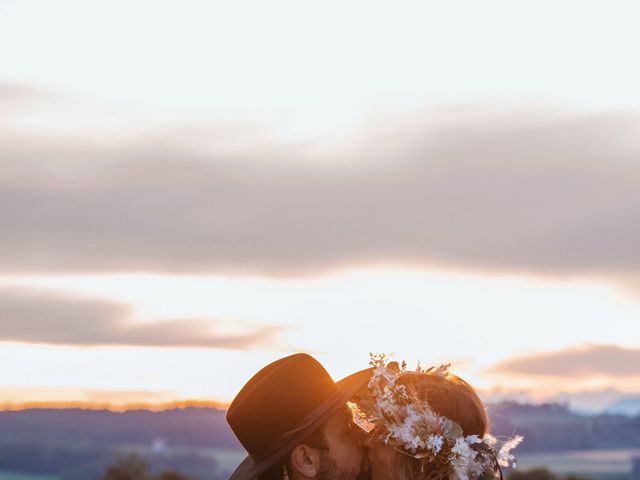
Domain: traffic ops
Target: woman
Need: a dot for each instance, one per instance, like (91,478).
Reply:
(427,425)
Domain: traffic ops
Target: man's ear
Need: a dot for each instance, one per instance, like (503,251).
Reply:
(304,461)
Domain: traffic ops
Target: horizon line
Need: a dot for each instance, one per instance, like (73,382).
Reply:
(170,405)
(115,407)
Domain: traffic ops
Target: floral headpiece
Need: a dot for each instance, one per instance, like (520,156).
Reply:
(411,426)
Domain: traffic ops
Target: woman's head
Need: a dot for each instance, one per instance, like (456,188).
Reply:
(449,396)
(429,425)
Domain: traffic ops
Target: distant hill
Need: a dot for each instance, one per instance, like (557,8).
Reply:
(588,402)
(554,427)
(625,406)
(546,427)
(77,444)
(190,426)
(591,402)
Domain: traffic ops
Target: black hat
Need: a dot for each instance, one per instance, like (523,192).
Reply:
(283,404)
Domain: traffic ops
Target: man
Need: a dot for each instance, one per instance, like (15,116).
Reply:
(293,421)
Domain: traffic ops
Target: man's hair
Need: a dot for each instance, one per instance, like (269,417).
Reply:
(315,440)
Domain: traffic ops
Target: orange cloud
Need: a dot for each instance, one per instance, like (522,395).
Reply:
(19,398)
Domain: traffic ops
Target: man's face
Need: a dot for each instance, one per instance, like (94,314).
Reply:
(345,457)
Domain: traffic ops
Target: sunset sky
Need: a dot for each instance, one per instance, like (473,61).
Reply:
(190,190)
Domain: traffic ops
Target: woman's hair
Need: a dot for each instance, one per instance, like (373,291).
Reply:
(449,396)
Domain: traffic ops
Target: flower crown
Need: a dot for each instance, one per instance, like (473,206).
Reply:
(410,425)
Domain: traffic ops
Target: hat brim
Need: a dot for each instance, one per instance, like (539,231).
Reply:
(347,388)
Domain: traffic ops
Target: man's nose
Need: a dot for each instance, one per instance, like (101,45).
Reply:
(358,434)
(366,439)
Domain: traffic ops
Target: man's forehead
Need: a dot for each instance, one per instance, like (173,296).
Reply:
(345,410)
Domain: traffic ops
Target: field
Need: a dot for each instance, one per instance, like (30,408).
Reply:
(4,475)
(601,464)
(594,463)
(228,458)
(598,464)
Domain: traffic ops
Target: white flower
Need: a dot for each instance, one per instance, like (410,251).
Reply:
(505,457)
(489,440)
(450,429)
(471,439)
(462,458)
(459,465)
(402,391)
(475,469)
(434,443)
(461,448)
(385,373)
(414,444)
(411,415)
(405,431)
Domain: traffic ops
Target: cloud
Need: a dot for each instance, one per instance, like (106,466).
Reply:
(24,396)
(526,190)
(584,361)
(36,316)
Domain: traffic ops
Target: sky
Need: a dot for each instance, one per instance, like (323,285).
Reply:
(190,190)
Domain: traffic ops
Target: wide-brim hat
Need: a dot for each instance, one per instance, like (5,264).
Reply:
(283,404)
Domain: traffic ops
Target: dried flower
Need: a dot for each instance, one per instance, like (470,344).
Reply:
(410,425)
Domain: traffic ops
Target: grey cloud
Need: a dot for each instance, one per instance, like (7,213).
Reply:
(35,316)
(58,134)
(586,361)
(530,190)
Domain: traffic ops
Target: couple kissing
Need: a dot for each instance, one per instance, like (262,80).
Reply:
(381,423)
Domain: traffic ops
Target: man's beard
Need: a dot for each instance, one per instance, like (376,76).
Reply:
(329,470)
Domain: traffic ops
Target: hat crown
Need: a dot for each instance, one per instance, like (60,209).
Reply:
(277,400)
